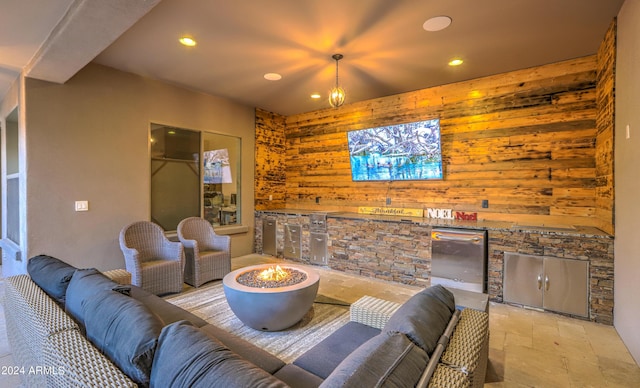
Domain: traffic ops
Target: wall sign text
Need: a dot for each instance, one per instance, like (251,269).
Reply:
(448,214)
(391,211)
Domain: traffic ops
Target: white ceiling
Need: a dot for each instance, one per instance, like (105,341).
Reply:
(386,50)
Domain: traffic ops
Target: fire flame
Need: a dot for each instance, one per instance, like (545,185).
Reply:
(273,274)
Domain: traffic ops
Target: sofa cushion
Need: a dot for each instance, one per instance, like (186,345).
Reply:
(168,312)
(83,286)
(52,275)
(296,377)
(125,330)
(388,359)
(187,357)
(245,349)
(424,317)
(324,357)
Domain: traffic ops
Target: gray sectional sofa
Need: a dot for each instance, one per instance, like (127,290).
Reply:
(73,327)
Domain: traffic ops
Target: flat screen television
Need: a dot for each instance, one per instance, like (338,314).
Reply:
(408,151)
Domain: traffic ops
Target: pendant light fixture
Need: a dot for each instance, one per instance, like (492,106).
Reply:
(336,96)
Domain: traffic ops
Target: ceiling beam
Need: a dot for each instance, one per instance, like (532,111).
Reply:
(84,31)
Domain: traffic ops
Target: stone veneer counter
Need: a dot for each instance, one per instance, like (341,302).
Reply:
(577,231)
(399,248)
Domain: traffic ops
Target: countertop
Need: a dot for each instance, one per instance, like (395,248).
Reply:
(576,231)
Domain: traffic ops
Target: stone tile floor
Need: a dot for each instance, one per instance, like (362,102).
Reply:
(527,348)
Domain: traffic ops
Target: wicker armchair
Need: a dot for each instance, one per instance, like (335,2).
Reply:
(208,255)
(155,263)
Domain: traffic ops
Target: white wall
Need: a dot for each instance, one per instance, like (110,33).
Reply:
(88,140)
(12,252)
(627,179)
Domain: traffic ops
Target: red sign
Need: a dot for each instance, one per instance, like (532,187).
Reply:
(466,216)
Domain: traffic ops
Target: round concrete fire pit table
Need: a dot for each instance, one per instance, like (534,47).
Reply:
(271,309)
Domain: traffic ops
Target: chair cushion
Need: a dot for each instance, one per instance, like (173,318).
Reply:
(424,317)
(388,359)
(125,330)
(187,357)
(84,285)
(52,275)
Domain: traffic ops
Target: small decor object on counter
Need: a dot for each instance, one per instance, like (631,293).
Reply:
(445,214)
(462,216)
(391,211)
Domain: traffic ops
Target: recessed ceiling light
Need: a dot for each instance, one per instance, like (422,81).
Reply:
(273,76)
(456,62)
(315,96)
(187,41)
(437,23)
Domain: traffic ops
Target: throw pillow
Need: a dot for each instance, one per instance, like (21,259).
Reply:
(125,330)
(424,317)
(187,357)
(386,360)
(52,275)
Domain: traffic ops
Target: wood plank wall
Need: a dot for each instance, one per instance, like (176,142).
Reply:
(605,120)
(270,169)
(524,140)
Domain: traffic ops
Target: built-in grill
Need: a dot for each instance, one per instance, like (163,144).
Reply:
(318,252)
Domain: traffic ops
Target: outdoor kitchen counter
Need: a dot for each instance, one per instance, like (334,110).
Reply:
(504,226)
(398,248)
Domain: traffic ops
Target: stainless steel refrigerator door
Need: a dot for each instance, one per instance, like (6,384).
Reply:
(458,258)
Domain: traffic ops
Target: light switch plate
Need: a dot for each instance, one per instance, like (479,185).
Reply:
(82,206)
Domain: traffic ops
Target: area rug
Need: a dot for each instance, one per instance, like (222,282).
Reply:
(210,304)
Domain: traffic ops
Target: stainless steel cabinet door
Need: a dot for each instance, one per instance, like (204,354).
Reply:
(318,248)
(269,227)
(565,286)
(551,283)
(292,241)
(523,278)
